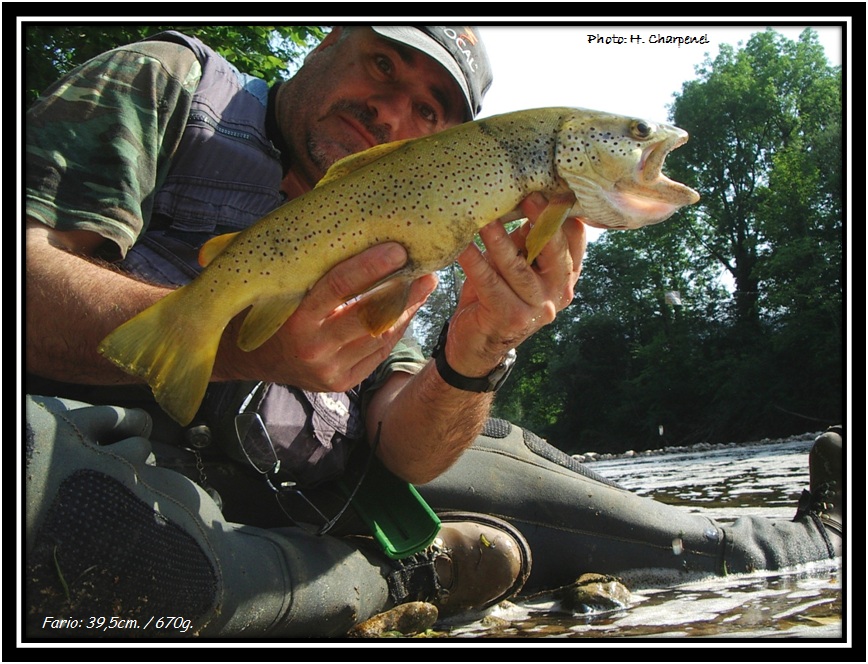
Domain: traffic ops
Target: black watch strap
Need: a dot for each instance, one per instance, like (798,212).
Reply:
(489,383)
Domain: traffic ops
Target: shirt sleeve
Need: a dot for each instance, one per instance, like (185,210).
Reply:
(405,357)
(98,143)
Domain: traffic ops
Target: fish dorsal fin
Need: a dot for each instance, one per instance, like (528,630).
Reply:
(356,161)
(214,247)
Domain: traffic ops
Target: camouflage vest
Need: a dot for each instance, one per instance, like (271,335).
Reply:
(224,175)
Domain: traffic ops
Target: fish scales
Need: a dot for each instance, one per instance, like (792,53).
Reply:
(431,195)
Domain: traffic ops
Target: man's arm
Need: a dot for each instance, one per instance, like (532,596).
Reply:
(426,423)
(73,302)
(96,147)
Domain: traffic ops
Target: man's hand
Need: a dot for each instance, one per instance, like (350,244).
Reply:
(324,346)
(504,300)
(427,424)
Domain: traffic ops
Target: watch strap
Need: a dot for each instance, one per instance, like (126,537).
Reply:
(488,383)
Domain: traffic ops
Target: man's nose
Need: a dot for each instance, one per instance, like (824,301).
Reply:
(394,109)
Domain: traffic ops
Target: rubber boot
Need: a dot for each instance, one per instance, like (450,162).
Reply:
(108,534)
(577,522)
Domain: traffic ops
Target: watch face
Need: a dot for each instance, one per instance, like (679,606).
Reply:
(498,377)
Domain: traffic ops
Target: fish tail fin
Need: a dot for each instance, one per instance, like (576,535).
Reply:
(173,353)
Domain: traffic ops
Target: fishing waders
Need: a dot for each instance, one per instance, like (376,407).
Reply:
(577,521)
(117,546)
(108,534)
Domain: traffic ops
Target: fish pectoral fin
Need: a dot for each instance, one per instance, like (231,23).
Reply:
(264,319)
(356,161)
(547,224)
(380,308)
(214,247)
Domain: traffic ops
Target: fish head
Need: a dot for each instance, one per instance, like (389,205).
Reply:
(613,165)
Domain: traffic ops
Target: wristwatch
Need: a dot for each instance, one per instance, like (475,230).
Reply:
(490,383)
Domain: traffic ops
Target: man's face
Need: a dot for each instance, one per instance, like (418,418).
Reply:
(358,90)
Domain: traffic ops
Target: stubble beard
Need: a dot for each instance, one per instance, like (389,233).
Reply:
(323,152)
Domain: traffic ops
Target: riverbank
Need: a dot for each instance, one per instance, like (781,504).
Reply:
(587,457)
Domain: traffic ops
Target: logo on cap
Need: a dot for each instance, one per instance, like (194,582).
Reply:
(469,36)
(462,40)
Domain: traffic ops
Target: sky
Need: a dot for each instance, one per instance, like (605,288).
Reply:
(538,66)
(602,68)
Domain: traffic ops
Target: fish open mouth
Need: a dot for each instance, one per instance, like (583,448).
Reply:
(654,183)
(644,197)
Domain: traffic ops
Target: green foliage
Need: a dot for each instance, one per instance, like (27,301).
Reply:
(756,348)
(745,113)
(266,51)
(525,397)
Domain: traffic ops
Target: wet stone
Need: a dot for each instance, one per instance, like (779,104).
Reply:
(404,620)
(594,593)
(495,622)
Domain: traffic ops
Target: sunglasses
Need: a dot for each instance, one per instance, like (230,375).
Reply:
(259,450)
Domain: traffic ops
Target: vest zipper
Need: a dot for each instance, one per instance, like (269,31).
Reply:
(199,116)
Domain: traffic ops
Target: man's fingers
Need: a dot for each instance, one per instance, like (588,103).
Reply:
(362,352)
(353,277)
(505,253)
(533,205)
(577,238)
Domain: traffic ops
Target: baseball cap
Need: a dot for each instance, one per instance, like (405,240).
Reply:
(458,48)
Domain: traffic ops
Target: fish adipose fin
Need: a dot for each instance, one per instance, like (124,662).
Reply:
(547,225)
(265,319)
(174,355)
(382,307)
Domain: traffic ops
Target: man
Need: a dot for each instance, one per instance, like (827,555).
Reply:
(141,156)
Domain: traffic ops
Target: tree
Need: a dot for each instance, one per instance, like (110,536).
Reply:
(758,354)
(267,51)
(624,354)
(744,112)
(766,154)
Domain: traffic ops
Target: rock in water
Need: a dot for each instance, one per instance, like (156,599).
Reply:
(594,593)
(407,619)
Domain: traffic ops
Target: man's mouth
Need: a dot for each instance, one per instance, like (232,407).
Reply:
(360,129)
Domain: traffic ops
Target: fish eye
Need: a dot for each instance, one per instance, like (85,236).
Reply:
(641,129)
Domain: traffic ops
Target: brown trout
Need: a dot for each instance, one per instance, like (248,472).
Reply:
(431,195)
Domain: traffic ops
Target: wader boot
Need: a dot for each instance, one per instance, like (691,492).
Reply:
(110,535)
(475,562)
(824,503)
(577,521)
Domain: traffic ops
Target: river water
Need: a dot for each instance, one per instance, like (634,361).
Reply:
(726,482)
